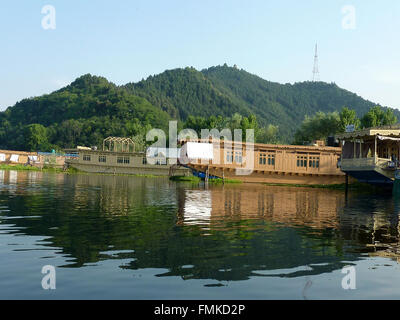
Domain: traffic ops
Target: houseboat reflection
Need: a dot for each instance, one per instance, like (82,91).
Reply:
(287,205)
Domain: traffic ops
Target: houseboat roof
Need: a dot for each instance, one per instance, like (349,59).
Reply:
(370,132)
(262,146)
(24,153)
(118,153)
(163,152)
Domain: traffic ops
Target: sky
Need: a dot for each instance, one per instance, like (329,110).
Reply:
(126,41)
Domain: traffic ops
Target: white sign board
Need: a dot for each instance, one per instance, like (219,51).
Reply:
(195,150)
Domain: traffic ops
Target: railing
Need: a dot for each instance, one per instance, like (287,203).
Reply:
(57,154)
(357,163)
(383,163)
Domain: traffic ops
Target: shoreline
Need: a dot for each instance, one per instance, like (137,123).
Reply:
(69,171)
(358,186)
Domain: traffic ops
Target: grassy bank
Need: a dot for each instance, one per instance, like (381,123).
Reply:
(21,167)
(70,170)
(191,179)
(218,181)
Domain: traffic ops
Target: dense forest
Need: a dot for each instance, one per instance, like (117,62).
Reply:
(83,113)
(92,108)
(224,90)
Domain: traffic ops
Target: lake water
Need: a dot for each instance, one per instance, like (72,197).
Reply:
(120,237)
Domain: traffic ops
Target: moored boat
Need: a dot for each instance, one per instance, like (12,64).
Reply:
(371,155)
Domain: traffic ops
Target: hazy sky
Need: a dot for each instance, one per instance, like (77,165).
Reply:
(129,40)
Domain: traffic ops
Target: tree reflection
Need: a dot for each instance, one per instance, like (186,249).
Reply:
(224,232)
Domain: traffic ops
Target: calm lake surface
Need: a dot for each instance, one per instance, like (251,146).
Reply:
(119,237)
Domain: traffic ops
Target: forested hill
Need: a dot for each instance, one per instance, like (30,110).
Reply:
(83,113)
(224,90)
(92,108)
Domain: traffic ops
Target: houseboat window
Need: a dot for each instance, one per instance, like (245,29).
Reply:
(313,162)
(271,159)
(102,159)
(144,161)
(262,159)
(302,161)
(238,157)
(86,157)
(229,157)
(123,160)
(160,162)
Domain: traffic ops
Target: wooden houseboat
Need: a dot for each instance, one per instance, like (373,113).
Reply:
(371,155)
(268,163)
(119,157)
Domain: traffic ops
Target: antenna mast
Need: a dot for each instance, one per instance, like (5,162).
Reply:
(315,69)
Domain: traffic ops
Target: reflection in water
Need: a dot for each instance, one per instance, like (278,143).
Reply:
(223,233)
(33,177)
(197,207)
(293,206)
(13,177)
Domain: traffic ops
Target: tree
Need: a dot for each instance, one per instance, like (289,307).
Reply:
(249,123)
(236,121)
(35,137)
(318,127)
(348,117)
(268,135)
(377,117)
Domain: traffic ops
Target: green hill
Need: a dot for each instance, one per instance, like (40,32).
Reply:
(92,108)
(84,112)
(184,92)
(224,90)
